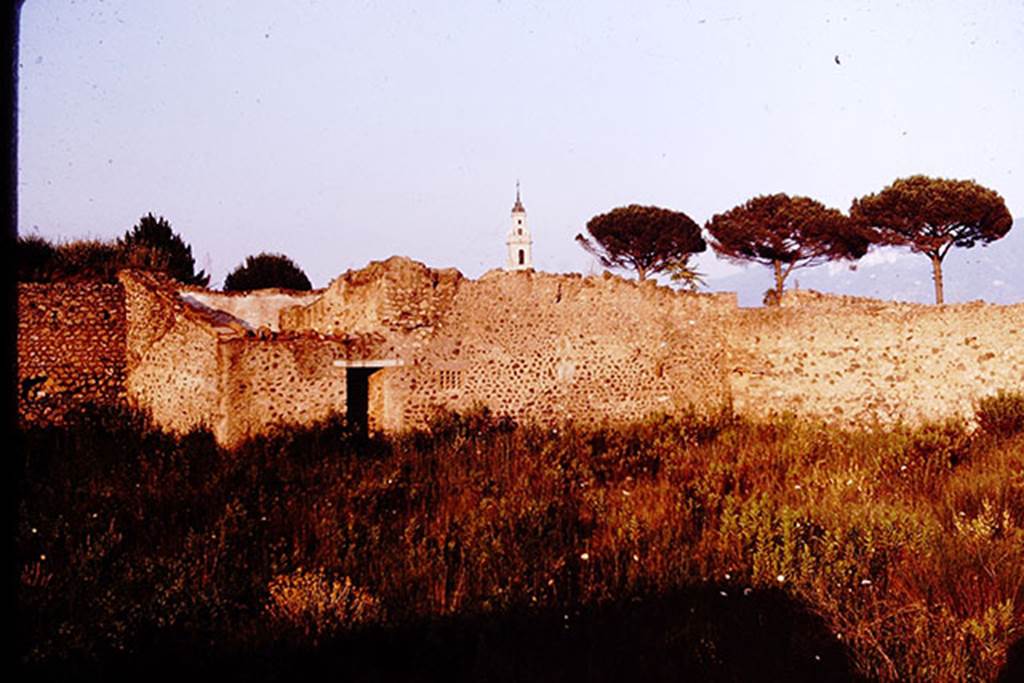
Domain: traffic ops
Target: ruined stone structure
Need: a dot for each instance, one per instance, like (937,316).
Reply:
(860,360)
(71,348)
(395,342)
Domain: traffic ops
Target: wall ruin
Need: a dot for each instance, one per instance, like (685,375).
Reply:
(193,366)
(71,348)
(858,361)
(535,346)
(252,310)
(278,381)
(173,356)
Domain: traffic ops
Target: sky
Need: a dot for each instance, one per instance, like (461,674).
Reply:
(344,132)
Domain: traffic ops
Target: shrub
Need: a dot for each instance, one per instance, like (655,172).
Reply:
(35,257)
(265,271)
(152,246)
(907,542)
(40,260)
(163,249)
(319,606)
(1001,414)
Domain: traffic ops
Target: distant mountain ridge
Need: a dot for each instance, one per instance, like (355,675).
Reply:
(993,273)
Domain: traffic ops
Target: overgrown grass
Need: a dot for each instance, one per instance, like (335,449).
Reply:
(1002,413)
(904,547)
(40,260)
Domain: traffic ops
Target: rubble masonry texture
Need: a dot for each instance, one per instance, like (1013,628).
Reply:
(535,346)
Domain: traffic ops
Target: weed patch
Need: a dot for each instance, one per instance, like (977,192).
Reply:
(902,548)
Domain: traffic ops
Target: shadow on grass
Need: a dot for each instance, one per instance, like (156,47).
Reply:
(1013,670)
(696,634)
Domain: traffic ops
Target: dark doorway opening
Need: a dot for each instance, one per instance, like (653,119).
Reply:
(357,398)
(365,398)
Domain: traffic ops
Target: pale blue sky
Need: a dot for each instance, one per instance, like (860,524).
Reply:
(342,132)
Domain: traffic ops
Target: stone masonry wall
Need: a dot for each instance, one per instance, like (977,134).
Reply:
(859,360)
(196,366)
(538,347)
(173,356)
(534,346)
(279,380)
(398,294)
(254,310)
(71,348)
(545,348)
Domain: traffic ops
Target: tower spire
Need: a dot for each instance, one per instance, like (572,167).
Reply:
(519,242)
(518,207)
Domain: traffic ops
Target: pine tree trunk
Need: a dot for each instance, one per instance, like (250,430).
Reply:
(779,277)
(937,276)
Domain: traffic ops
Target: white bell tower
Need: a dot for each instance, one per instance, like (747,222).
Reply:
(519,242)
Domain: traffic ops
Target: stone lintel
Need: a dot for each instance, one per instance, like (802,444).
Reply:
(370,363)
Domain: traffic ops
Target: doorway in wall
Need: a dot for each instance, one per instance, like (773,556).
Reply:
(365,396)
(357,398)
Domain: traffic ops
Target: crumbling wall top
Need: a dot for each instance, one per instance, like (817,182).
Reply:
(253,310)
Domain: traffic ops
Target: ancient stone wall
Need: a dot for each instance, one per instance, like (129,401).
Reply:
(397,294)
(279,380)
(193,365)
(538,347)
(546,348)
(253,310)
(71,347)
(534,346)
(173,356)
(859,360)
